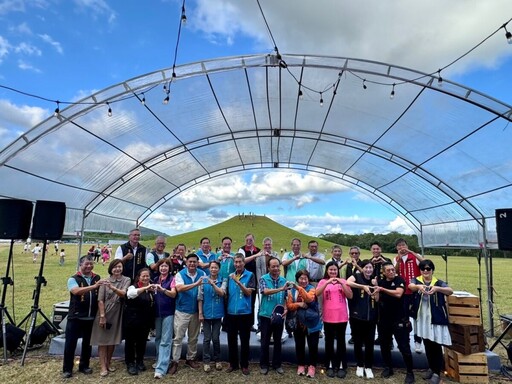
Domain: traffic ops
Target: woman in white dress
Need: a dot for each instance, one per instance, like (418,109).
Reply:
(431,317)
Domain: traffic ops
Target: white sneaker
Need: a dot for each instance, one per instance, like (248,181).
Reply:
(360,372)
(158,376)
(368,372)
(417,347)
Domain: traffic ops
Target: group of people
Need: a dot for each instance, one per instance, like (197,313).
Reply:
(303,293)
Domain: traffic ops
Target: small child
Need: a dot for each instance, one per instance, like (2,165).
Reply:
(62,256)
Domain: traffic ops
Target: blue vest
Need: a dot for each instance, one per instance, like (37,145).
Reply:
(227,266)
(213,304)
(238,303)
(187,300)
(268,302)
(204,259)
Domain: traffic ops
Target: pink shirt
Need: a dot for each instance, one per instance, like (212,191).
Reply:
(334,306)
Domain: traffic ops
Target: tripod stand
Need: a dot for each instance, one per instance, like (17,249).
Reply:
(3,309)
(40,281)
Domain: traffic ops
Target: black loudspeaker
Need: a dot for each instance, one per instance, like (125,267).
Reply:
(14,337)
(504,228)
(49,218)
(15,218)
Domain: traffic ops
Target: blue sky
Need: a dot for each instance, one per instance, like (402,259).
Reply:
(67,49)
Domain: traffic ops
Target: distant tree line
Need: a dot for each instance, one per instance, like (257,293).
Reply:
(387,241)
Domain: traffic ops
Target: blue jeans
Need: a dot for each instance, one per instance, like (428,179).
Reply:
(164,327)
(211,329)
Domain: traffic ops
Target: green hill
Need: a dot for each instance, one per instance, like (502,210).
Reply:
(237,227)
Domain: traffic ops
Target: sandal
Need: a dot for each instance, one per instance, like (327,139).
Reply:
(104,373)
(112,369)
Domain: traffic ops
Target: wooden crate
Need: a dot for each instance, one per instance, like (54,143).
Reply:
(467,339)
(466,368)
(464,309)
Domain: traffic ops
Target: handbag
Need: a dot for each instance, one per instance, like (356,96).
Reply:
(309,316)
(277,315)
(291,321)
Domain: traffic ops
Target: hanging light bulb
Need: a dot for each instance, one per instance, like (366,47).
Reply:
(508,35)
(392,94)
(165,88)
(109,110)
(143,101)
(439,79)
(301,95)
(166,100)
(364,85)
(321,100)
(57,110)
(183,16)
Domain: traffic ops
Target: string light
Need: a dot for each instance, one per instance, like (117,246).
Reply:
(109,110)
(301,95)
(508,35)
(321,100)
(364,85)
(166,100)
(183,15)
(143,101)
(392,94)
(57,110)
(439,78)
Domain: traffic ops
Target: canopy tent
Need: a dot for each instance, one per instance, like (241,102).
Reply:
(436,154)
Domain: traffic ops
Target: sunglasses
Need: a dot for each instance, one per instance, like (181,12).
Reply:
(426,269)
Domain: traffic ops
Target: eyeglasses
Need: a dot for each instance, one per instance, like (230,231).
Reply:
(426,269)
(354,253)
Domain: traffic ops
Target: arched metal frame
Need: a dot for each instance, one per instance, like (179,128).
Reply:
(249,107)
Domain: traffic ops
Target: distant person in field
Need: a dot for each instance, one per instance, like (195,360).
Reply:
(133,255)
(25,248)
(432,317)
(316,262)
(251,252)
(35,252)
(62,257)
(158,253)
(407,263)
(56,247)
(205,254)
(294,260)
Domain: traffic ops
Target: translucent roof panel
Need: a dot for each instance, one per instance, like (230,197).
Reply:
(438,156)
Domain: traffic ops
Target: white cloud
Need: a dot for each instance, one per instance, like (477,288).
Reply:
(4,48)
(422,35)
(27,49)
(399,225)
(27,66)
(15,120)
(97,8)
(55,44)
(22,29)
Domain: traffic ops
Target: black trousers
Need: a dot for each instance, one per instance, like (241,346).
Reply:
(363,334)
(401,334)
(135,340)
(76,329)
(407,301)
(434,352)
(239,325)
(269,330)
(301,335)
(335,331)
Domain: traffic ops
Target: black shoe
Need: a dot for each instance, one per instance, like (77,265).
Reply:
(387,372)
(85,371)
(132,369)
(351,341)
(66,375)
(141,367)
(428,374)
(341,373)
(330,372)
(409,378)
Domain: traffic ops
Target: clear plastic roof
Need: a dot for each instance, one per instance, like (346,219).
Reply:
(437,155)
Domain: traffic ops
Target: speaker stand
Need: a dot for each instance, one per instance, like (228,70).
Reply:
(40,281)
(3,309)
